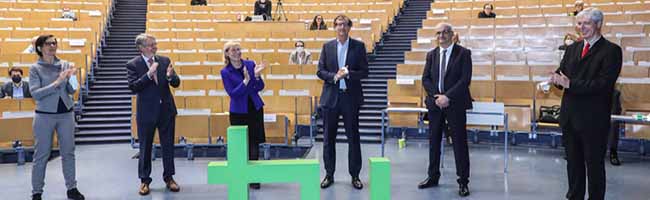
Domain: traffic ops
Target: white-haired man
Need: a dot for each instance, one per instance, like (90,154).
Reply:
(588,74)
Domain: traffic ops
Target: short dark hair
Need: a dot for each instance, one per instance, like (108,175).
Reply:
(15,69)
(40,41)
(488,4)
(299,41)
(345,18)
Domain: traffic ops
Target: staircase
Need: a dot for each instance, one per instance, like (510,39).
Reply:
(106,116)
(382,65)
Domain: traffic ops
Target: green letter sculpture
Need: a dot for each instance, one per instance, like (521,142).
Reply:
(238,172)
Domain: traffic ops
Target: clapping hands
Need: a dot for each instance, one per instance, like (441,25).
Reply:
(560,79)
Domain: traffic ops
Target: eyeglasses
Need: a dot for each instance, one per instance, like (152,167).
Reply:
(51,43)
(151,45)
(447,32)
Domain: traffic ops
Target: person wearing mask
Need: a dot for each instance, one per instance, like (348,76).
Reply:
(446,79)
(54,104)
(587,75)
(343,63)
(242,80)
(17,88)
(149,77)
(263,7)
(300,56)
(318,23)
(487,11)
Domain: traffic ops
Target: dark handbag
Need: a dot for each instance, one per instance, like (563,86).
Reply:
(549,114)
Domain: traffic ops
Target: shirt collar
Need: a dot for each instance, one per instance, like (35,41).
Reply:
(146,59)
(19,85)
(449,49)
(347,41)
(593,41)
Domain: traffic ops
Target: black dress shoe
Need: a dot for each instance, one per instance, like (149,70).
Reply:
(427,183)
(356,183)
(613,158)
(327,181)
(255,186)
(36,196)
(75,194)
(463,190)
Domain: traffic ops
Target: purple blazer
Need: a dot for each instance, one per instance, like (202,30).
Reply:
(233,82)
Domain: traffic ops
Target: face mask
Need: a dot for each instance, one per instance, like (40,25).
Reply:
(568,42)
(16,79)
(300,49)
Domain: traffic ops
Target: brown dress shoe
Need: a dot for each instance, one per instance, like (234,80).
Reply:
(173,186)
(144,189)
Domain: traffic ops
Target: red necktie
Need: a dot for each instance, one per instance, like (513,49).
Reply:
(155,76)
(585,50)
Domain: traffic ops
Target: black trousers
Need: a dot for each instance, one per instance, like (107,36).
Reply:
(254,119)
(585,149)
(350,112)
(456,120)
(146,130)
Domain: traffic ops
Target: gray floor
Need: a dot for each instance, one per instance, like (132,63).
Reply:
(108,172)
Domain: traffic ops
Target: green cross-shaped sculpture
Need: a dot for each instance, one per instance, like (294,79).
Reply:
(238,172)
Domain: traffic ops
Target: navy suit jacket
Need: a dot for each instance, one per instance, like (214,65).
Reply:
(357,62)
(153,100)
(458,77)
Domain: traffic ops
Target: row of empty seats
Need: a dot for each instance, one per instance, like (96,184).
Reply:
(514,52)
(214,36)
(251,2)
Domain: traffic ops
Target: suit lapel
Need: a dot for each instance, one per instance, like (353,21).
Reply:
(452,59)
(143,63)
(594,48)
(160,72)
(334,51)
(349,51)
(436,65)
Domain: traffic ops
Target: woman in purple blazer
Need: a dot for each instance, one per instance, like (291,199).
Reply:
(242,81)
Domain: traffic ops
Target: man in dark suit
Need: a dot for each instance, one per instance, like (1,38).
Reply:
(150,76)
(588,74)
(17,88)
(446,78)
(342,65)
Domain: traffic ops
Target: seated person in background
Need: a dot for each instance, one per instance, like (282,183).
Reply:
(300,56)
(318,23)
(17,88)
(487,11)
(68,14)
(579,6)
(199,2)
(30,48)
(263,7)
